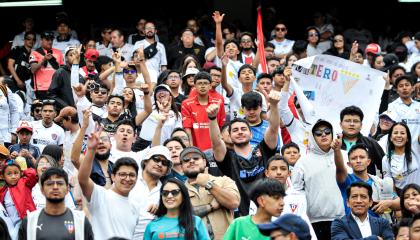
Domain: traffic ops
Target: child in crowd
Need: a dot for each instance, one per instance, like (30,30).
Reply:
(291,153)
(16,194)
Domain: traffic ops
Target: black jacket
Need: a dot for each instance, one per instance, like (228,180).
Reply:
(375,152)
(60,89)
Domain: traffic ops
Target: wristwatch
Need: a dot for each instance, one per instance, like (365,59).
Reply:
(209,185)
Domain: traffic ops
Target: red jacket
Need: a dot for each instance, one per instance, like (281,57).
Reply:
(21,193)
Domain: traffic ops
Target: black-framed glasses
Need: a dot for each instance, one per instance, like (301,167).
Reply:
(319,132)
(48,101)
(194,157)
(125,175)
(51,183)
(37,110)
(283,29)
(158,159)
(174,192)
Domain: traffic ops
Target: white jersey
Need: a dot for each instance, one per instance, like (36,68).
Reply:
(104,50)
(235,103)
(69,139)
(150,124)
(62,45)
(156,61)
(19,39)
(112,214)
(283,47)
(43,136)
(401,172)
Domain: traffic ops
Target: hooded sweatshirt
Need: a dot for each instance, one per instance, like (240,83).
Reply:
(315,175)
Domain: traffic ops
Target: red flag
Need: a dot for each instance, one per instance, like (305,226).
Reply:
(260,37)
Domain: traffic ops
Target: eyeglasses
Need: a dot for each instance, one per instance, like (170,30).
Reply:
(161,160)
(313,34)
(130,71)
(202,83)
(37,110)
(194,157)
(173,78)
(174,192)
(319,132)
(351,121)
(124,175)
(283,29)
(104,139)
(103,92)
(30,39)
(44,164)
(48,101)
(51,183)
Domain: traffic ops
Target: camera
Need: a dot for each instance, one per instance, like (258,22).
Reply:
(92,86)
(91,76)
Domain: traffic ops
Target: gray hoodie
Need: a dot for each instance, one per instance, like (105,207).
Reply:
(315,175)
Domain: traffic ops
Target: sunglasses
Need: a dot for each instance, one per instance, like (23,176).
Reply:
(174,192)
(194,157)
(313,34)
(103,92)
(50,101)
(130,71)
(30,39)
(37,110)
(281,29)
(319,132)
(162,160)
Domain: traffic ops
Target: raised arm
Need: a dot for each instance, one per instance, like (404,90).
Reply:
(158,131)
(140,62)
(219,38)
(340,167)
(85,168)
(78,143)
(225,84)
(219,147)
(272,133)
(141,116)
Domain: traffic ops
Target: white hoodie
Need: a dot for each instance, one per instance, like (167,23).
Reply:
(315,175)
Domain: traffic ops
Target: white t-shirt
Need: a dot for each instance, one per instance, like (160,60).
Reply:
(283,47)
(43,136)
(113,215)
(235,103)
(150,124)
(156,61)
(104,50)
(117,154)
(11,208)
(40,200)
(20,38)
(142,198)
(400,171)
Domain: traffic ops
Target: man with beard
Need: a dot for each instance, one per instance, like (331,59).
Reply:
(247,54)
(155,164)
(213,198)
(55,221)
(155,52)
(244,164)
(102,167)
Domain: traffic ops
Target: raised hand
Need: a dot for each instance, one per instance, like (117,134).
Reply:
(217,17)
(164,105)
(224,60)
(86,115)
(274,98)
(93,138)
(354,47)
(336,143)
(212,110)
(80,90)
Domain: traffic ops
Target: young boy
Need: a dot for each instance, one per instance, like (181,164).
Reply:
(291,153)
(24,148)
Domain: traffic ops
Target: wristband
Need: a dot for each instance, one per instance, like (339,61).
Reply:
(211,118)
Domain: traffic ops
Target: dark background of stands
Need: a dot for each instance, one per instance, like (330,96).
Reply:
(382,17)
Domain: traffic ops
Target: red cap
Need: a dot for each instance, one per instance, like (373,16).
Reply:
(373,48)
(24,125)
(92,54)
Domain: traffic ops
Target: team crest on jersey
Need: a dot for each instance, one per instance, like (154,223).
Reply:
(69,226)
(293,207)
(54,136)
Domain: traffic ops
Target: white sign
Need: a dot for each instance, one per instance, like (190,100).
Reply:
(332,83)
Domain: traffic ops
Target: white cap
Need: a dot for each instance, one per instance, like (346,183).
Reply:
(190,71)
(158,150)
(389,114)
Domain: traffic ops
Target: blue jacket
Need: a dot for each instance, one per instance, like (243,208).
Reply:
(346,228)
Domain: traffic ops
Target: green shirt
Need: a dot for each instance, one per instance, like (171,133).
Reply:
(244,228)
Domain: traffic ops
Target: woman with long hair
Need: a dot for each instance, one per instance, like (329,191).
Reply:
(398,163)
(338,48)
(129,102)
(175,217)
(410,200)
(164,105)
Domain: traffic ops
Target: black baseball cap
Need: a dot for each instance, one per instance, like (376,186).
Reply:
(47,35)
(289,223)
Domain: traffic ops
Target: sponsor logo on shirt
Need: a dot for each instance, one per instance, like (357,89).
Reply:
(69,226)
